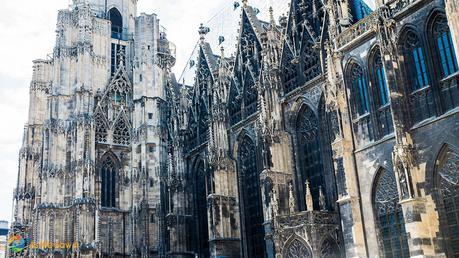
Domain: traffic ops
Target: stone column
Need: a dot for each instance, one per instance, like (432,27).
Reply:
(349,202)
(452,14)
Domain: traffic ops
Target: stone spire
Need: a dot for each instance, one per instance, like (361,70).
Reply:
(308,197)
(203,31)
(271,16)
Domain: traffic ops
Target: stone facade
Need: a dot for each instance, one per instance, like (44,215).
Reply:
(92,162)
(332,132)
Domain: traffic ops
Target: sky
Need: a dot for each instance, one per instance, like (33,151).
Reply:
(28,32)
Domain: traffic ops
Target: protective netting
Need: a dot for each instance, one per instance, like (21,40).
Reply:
(224,27)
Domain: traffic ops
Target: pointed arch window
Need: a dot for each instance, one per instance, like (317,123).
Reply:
(360,104)
(297,248)
(421,98)
(414,61)
(444,46)
(121,133)
(201,193)
(380,79)
(310,157)
(447,185)
(101,128)
(390,222)
(108,173)
(117,23)
(251,199)
(381,95)
(360,90)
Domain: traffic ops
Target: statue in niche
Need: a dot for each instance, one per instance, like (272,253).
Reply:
(322,203)
(291,199)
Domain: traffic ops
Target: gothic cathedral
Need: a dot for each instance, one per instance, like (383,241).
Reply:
(332,131)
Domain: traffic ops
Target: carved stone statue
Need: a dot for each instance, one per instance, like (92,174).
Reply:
(291,199)
(308,197)
(322,203)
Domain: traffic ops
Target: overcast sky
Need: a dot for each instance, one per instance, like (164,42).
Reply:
(27,32)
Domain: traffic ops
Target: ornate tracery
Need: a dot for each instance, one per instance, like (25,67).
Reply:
(416,73)
(112,113)
(359,102)
(121,131)
(297,249)
(447,185)
(309,157)
(389,216)
(243,92)
(251,199)
(380,95)
(300,58)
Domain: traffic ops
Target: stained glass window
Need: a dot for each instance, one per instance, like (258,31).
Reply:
(251,198)
(445,46)
(389,217)
(201,210)
(108,173)
(310,157)
(448,187)
(383,92)
(359,85)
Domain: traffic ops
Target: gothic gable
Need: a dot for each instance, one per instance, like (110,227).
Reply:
(300,54)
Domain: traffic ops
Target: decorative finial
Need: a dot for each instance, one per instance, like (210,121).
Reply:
(203,31)
(222,51)
(308,197)
(121,57)
(291,199)
(236,5)
(271,15)
(245,2)
(283,20)
(322,204)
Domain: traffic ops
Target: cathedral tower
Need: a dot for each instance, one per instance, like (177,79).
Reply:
(94,146)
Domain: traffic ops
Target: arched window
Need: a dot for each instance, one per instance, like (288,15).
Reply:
(330,249)
(389,216)
(360,104)
(447,184)
(108,173)
(359,88)
(297,248)
(117,23)
(380,80)
(444,46)
(201,193)
(421,96)
(309,157)
(252,211)
(101,128)
(121,133)
(414,61)
(381,94)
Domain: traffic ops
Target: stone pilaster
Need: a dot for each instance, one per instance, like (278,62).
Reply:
(452,14)
(349,202)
